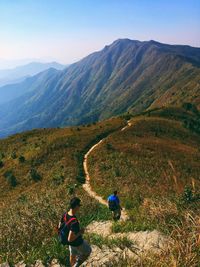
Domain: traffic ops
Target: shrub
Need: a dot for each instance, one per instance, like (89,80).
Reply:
(189,196)
(71,189)
(1,164)
(109,146)
(127,116)
(12,181)
(7,173)
(10,177)
(13,155)
(192,125)
(190,107)
(21,159)
(35,176)
(80,178)
(22,198)
(2,155)
(58,179)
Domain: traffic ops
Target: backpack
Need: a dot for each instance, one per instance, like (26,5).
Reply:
(63,230)
(112,205)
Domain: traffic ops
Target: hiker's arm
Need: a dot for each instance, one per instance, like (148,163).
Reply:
(72,236)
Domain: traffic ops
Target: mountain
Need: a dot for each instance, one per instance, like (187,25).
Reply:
(19,74)
(127,75)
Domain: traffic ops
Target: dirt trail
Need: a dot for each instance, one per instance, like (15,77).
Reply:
(87,186)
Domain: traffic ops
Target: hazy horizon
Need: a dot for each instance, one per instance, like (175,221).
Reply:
(67,31)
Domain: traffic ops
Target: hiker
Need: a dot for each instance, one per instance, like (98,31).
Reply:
(70,234)
(114,206)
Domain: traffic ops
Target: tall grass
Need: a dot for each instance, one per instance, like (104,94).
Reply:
(47,179)
(152,164)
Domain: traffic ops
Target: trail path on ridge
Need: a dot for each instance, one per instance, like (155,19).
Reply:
(87,186)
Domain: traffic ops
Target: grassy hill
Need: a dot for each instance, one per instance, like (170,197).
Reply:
(127,75)
(154,164)
(39,171)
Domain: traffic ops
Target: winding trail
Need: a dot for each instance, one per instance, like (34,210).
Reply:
(87,186)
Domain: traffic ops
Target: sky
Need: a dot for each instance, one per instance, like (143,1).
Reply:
(67,30)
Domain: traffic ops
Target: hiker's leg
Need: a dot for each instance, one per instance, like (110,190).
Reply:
(72,260)
(118,213)
(73,255)
(84,252)
(115,213)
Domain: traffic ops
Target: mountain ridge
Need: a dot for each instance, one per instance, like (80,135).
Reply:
(125,76)
(19,74)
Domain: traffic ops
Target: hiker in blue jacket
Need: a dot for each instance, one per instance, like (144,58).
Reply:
(114,206)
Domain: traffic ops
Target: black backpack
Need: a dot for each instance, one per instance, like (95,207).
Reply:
(112,205)
(63,230)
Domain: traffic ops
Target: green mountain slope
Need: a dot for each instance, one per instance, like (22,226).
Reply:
(125,76)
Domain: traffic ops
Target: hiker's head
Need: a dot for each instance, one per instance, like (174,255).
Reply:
(115,192)
(75,203)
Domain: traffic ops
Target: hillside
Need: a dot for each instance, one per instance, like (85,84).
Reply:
(154,163)
(39,171)
(125,76)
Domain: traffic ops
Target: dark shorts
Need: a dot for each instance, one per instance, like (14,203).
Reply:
(83,250)
(117,214)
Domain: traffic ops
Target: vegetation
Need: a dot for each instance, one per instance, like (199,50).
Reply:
(154,164)
(11,179)
(188,114)
(38,204)
(100,241)
(1,164)
(21,159)
(34,175)
(13,155)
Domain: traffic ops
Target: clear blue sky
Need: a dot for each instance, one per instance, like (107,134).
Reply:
(67,30)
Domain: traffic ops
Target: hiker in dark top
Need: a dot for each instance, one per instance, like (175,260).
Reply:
(78,247)
(114,206)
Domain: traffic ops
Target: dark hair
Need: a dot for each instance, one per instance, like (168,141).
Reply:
(74,202)
(115,192)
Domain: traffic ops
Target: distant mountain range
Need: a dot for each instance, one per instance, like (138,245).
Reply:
(19,74)
(125,76)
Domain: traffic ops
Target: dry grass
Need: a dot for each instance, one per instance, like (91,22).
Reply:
(31,210)
(148,156)
(151,163)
